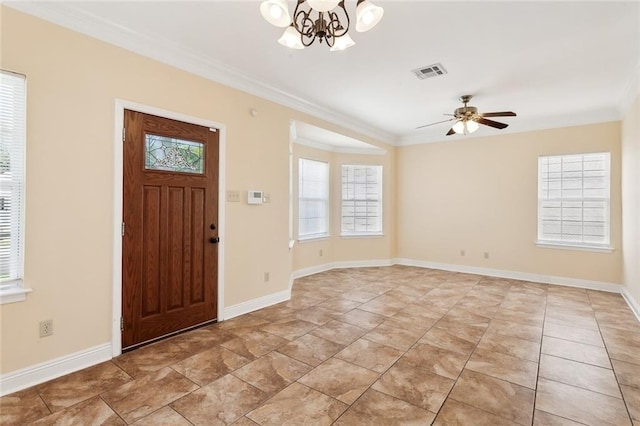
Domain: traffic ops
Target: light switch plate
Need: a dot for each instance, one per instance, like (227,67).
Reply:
(233,196)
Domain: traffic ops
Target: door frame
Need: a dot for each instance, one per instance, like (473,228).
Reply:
(118,180)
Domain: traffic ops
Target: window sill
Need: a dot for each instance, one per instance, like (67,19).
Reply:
(351,236)
(313,239)
(560,246)
(13,294)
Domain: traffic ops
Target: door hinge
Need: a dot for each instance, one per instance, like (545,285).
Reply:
(122,229)
(123,134)
(122,324)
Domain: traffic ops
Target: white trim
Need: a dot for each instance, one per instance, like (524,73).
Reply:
(355,236)
(118,161)
(311,239)
(40,373)
(14,294)
(299,273)
(514,275)
(559,246)
(633,303)
(258,303)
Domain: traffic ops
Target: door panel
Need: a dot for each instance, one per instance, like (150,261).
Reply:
(170,202)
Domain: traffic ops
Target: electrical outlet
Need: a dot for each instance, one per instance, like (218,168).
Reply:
(266,277)
(233,196)
(462,253)
(266,198)
(486,254)
(46,328)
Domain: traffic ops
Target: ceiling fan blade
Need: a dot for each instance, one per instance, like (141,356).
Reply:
(491,123)
(432,124)
(499,114)
(451,132)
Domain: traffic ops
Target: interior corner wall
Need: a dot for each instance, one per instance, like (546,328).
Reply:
(335,249)
(631,200)
(73,82)
(479,195)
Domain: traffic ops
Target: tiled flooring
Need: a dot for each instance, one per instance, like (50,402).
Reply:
(373,346)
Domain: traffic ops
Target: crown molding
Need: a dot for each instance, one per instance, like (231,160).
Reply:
(170,53)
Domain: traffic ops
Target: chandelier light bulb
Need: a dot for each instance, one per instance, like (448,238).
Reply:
(472,126)
(323,5)
(367,15)
(342,43)
(275,12)
(291,39)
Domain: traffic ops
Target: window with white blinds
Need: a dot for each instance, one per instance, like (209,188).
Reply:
(573,199)
(313,199)
(12,158)
(361,200)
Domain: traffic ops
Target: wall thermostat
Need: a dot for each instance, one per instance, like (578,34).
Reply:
(255,197)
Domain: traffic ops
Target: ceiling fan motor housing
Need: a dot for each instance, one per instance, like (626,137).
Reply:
(465,112)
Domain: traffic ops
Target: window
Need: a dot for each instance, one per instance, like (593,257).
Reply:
(12,149)
(573,200)
(361,200)
(313,200)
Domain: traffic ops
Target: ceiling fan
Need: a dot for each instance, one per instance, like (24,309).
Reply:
(468,119)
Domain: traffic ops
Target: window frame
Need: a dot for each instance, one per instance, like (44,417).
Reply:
(327,200)
(380,201)
(13,290)
(604,246)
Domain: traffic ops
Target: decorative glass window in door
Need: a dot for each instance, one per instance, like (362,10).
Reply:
(173,155)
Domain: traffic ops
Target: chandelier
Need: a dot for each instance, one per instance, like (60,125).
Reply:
(325,20)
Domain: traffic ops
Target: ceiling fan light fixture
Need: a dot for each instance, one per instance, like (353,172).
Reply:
(464,127)
(275,12)
(291,38)
(367,15)
(342,43)
(323,5)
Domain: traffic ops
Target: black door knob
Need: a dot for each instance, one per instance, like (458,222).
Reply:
(214,240)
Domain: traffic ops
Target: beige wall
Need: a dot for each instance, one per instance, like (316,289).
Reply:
(480,195)
(73,82)
(631,199)
(306,254)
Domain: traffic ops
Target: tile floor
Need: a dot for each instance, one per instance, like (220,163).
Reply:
(373,346)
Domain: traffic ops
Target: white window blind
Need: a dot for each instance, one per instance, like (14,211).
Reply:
(12,158)
(573,199)
(313,200)
(361,200)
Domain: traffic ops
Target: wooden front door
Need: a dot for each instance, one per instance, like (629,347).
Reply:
(170,251)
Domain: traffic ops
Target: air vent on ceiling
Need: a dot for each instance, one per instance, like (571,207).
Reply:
(434,70)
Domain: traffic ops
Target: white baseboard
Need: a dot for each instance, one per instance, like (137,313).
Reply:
(633,303)
(524,276)
(255,304)
(336,265)
(40,373)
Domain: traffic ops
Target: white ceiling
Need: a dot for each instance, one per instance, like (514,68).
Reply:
(553,63)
